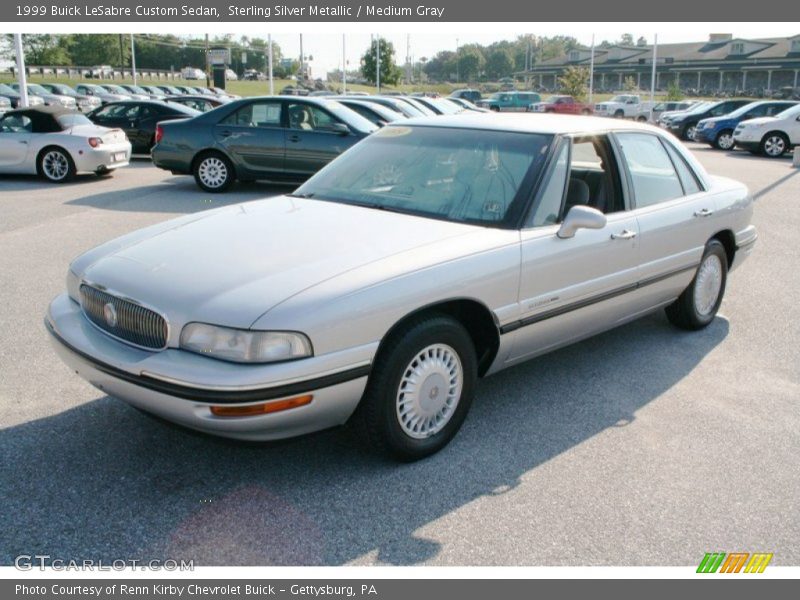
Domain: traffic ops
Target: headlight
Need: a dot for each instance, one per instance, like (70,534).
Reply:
(244,346)
(73,286)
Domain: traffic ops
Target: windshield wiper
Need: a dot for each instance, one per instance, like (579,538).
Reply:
(306,195)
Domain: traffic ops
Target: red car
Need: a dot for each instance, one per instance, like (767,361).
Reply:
(561,104)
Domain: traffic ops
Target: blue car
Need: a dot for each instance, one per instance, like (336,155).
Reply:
(718,131)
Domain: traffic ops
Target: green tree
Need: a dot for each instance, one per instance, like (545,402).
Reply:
(390,73)
(499,63)
(470,62)
(89,49)
(574,82)
(629,85)
(44,49)
(674,92)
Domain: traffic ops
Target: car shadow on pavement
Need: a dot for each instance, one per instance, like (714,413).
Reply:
(102,481)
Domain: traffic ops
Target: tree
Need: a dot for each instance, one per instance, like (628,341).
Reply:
(674,92)
(629,85)
(499,63)
(626,39)
(574,82)
(390,73)
(89,49)
(442,66)
(641,42)
(42,49)
(470,62)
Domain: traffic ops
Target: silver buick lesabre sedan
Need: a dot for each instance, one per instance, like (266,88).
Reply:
(434,252)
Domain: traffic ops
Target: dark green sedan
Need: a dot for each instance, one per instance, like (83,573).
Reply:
(279,139)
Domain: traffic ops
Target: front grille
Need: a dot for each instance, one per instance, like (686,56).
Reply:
(124,319)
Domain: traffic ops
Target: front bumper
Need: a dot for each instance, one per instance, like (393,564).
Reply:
(103,158)
(144,380)
(706,136)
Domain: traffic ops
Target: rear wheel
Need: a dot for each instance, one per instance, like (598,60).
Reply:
(724,141)
(420,388)
(697,306)
(213,172)
(586,111)
(774,144)
(494,108)
(56,165)
(689,131)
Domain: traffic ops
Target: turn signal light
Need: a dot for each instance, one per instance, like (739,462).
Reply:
(264,408)
(94,142)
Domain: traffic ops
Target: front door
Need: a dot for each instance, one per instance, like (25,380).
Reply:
(253,137)
(312,140)
(572,288)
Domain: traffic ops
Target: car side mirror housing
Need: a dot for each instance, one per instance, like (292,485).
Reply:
(339,128)
(581,217)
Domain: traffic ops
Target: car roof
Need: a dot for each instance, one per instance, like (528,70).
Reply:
(530,123)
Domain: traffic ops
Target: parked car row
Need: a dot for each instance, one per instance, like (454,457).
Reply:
(767,127)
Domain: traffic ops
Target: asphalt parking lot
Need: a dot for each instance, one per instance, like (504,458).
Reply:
(643,446)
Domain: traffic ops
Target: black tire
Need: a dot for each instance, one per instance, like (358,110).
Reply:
(641,119)
(684,312)
(774,145)
(55,165)
(494,108)
(205,170)
(377,418)
(619,114)
(724,140)
(586,111)
(687,133)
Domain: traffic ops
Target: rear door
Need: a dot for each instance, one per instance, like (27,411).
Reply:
(254,137)
(675,215)
(572,288)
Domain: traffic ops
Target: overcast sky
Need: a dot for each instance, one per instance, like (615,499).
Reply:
(326,49)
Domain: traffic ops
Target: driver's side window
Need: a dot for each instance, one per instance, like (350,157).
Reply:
(16,124)
(256,114)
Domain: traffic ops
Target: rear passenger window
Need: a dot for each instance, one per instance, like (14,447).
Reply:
(257,114)
(691,185)
(652,173)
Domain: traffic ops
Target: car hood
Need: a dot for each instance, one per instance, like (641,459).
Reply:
(759,121)
(233,265)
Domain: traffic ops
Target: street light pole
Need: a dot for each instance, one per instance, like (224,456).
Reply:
(133,60)
(22,77)
(378,61)
(344,66)
(269,62)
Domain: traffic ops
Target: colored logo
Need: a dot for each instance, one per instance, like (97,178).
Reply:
(734,562)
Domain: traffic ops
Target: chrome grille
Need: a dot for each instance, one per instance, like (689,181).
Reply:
(128,321)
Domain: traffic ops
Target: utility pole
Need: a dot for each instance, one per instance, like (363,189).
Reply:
(302,58)
(458,75)
(378,62)
(408,58)
(133,60)
(591,73)
(653,75)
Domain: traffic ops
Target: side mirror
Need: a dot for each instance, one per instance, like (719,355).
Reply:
(581,217)
(339,128)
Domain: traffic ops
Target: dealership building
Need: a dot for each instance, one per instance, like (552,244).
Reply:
(722,63)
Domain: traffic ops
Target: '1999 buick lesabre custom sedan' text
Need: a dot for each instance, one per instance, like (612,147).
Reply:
(432,253)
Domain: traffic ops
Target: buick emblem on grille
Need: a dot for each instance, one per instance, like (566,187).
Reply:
(110,314)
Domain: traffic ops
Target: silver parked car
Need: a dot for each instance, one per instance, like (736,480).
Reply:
(432,253)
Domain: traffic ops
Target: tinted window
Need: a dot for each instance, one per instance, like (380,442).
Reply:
(548,206)
(310,118)
(652,173)
(459,175)
(112,111)
(256,114)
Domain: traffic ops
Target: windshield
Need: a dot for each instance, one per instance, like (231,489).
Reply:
(64,90)
(6,89)
(447,108)
(72,120)
(35,88)
(94,87)
(621,99)
(137,90)
(460,175)
(789,112)
(115,89)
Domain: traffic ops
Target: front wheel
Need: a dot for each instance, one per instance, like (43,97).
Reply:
(724,141)
(619,114)
(697,306)
(420,388)
(689,131)
(56,165)
(214,173)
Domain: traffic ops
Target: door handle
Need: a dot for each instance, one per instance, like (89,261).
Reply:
(704,213)
(23,141)
(294,138)
(623,235)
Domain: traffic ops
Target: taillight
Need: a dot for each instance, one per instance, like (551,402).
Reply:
(159,133)
(94,142)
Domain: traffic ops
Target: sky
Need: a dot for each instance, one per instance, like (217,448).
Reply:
(326,48)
